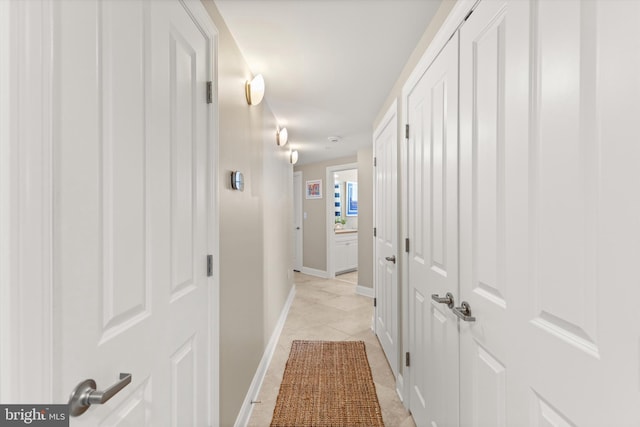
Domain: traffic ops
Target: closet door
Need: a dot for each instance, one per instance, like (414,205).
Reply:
(549,212)
(484,341)
(432,224)
(385,141)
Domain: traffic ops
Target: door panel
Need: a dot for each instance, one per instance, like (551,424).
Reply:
(123,181)
(567,311)
(432,224)
(565,282)
(131,209)
(386,202)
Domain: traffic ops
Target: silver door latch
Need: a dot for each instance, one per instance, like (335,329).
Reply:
(447,299)
(464,312)
(85,394)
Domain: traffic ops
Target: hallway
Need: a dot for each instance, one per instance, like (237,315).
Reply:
(330,310)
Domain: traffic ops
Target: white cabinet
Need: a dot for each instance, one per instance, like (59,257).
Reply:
(345,251)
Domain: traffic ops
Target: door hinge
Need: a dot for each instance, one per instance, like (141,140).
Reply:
(375,161)
(209,92)
(406,131)
(406,245)
(407,359)
(375,302)
(375,231)
(468,15)
(209,265)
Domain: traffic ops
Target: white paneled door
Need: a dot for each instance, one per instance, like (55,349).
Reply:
(385,142)
(484,342)
(432,225)
(297,221)
(549,208)
(133,215)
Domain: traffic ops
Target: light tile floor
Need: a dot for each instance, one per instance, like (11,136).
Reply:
(330,310)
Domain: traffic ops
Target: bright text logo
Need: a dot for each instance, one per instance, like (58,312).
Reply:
(34,415)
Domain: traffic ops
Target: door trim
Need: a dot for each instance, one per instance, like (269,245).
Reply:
(26,208)
(330,214)
(453,21)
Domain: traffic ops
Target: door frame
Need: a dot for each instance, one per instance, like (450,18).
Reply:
(26,201)
(330,213)
(453,21)
(297,215)
(28,285)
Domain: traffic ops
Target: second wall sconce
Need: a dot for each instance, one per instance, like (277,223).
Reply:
(254,90)
(282,136)
(294,157)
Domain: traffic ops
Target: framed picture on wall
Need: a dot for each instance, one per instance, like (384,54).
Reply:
(314,189)
(352,198)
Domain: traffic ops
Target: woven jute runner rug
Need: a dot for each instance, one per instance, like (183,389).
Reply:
(327,384)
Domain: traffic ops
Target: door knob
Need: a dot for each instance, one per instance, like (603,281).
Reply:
(464,312)
(391,258)
(448,299)
(85,394)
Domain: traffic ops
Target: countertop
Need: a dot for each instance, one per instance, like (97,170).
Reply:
(346,231)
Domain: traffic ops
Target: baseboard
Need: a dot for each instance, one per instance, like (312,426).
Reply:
(365,291)
(256,383)
(400,387)
(313,272)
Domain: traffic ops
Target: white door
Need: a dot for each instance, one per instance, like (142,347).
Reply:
(132,220)
(432,200)
(485,342)
(549,213)
(385,142)
(297,221)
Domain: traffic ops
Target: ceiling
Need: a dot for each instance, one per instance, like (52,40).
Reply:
(328,65)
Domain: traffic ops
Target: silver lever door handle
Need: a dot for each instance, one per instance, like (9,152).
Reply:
(85,394)
(391,258)
(448,299)
(464,312)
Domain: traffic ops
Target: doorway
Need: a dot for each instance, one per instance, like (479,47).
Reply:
(342,219)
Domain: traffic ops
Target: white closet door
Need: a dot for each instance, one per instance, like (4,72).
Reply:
(432,192)
(484,342)
(549,213)
(386,219)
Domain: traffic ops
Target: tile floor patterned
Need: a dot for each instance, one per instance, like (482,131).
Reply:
(330,310)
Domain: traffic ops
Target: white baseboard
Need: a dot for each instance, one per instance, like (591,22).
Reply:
(313,272)
(364,290)
(256,383)
(400,389)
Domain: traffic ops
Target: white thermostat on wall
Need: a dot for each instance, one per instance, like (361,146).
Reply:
(237,181)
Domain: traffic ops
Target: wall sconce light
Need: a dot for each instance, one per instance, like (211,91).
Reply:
(282,136)
(254,90)
(294,157)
